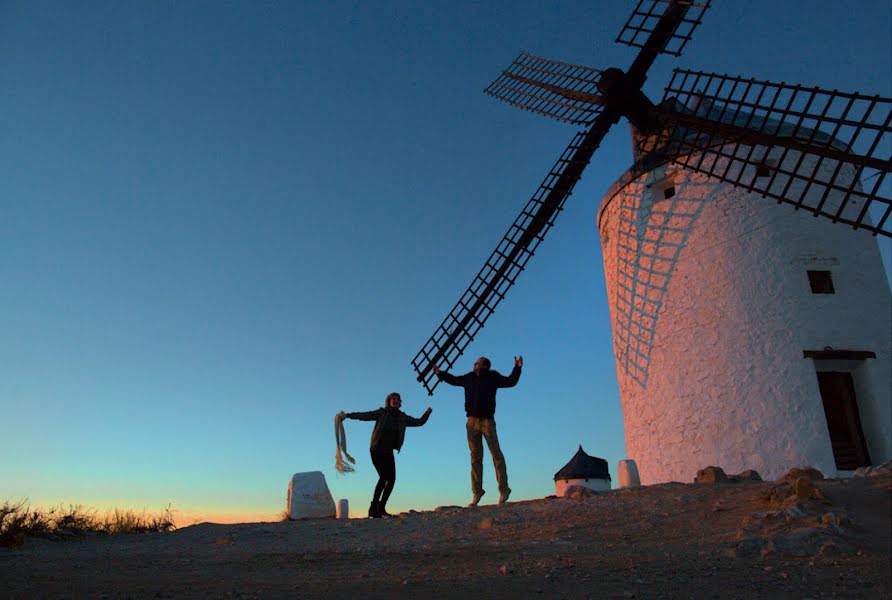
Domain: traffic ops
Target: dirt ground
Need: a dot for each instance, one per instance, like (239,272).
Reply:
(829,539)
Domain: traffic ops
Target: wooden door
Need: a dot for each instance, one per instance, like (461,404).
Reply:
(843,420)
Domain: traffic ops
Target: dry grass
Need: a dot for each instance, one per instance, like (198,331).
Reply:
(18,522)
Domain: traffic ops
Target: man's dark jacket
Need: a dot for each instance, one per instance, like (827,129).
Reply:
(480,390)
(381,416)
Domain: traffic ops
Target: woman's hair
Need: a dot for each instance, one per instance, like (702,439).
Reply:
(389,396)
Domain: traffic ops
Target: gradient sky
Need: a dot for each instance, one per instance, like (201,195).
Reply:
(222,223)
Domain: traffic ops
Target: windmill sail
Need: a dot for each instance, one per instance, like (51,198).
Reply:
(569,93)
(827,152)
(562,91)
(646,19)
(510,257)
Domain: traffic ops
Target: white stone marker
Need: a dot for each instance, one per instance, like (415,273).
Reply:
(343,509)
(628,474)
(308,497)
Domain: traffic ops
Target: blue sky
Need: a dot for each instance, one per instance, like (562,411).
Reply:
(220,224)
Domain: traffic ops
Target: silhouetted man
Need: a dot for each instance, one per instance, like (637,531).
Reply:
(480,406)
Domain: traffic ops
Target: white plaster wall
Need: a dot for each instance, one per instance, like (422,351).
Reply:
(719,377)
(599,485)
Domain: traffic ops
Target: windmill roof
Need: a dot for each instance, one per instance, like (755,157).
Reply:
(651,160)
(583,466)
(717,112)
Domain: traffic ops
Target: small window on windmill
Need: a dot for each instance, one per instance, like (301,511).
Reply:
(821,282)
(765,168)
(664,188)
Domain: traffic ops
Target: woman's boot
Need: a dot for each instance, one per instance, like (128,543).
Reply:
(382,512)
(374,510)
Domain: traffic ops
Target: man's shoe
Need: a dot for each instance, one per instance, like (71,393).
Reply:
(503,497)
(477,498)
(374,510)
(382,512)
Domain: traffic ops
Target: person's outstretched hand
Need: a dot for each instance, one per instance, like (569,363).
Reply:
(518,361)
(435,368)
(429,410)
(341,415)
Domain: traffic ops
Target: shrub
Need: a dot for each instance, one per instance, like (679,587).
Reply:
(18,522)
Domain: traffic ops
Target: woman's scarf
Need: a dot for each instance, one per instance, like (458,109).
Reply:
(341,441)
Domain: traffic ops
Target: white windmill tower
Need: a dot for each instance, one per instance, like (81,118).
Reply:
(746,335)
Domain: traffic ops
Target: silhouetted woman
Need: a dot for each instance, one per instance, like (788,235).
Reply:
(387,436)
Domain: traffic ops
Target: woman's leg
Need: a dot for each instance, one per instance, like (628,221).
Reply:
(379,460)
(389,474)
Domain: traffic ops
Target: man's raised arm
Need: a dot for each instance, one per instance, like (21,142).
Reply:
(514,377)
(447,377)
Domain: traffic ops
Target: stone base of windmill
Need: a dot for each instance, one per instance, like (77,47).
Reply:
(309,497)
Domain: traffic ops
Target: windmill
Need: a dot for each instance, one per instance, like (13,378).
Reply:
(714,124)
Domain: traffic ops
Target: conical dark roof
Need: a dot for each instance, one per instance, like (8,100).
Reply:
(583,466)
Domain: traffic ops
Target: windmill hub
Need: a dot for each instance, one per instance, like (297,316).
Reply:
(622,95)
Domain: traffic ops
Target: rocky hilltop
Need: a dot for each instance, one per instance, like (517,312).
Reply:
(802,537)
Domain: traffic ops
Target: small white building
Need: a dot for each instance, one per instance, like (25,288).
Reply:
(582,470)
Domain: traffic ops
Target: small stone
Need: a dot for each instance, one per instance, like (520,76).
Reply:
(877,471)
(747,547)
(769,549)
(486,523)
(794,512)
(806,472)
(711,475)
(579,492)
(830,519)
(830,549)
(628,594)
(803,487)
(505,570)
(748,475)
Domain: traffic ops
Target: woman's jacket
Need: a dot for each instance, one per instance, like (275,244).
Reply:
(380,415)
